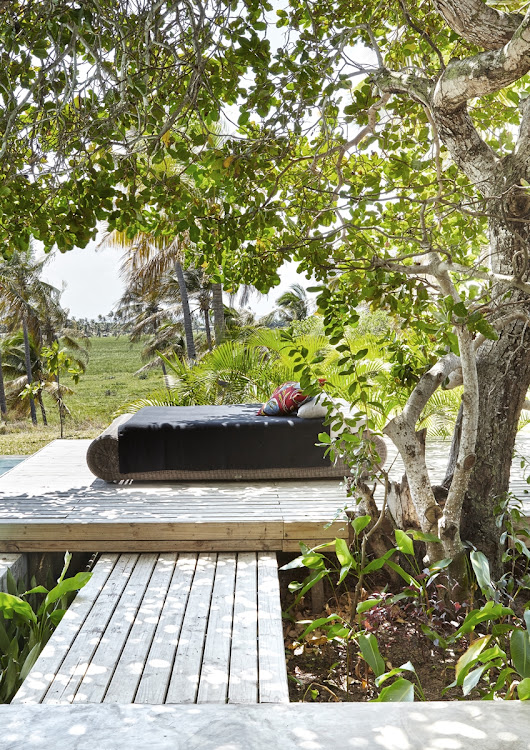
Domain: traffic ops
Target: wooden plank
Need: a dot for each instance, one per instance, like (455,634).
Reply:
(47,665)
(243,681)
(213,684)
(65,683)
(41,531)
(157,671)
(128,672)
(103,662)
(272,672)
(141,545)
(184,680)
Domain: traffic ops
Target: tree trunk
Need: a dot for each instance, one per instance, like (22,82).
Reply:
(218,310)
(27,356)
(504,378)
(206,314)
(42,410)
(188,328)
(3,403)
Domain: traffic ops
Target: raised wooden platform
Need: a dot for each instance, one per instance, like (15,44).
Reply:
(51,501)
(168,628)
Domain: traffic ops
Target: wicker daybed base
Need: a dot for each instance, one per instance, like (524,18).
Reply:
(103,461)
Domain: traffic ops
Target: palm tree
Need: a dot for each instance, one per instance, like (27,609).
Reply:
(29,302)
(146,261)
(294,304)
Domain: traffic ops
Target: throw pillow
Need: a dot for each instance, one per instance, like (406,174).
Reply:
(285,400)
(314,408)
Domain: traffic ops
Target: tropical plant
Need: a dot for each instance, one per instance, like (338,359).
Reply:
(294,304)
(27,620)
(30,303)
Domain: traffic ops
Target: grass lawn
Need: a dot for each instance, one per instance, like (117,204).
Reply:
(109,382)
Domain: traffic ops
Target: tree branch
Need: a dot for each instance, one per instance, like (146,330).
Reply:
(486,72)
(478,23)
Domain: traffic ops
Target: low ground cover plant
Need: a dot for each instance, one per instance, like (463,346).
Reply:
(468,644)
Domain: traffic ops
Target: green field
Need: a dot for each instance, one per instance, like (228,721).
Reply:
(109,382)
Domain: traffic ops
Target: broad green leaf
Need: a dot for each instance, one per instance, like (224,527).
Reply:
(481,566)
(360,523)
(343,553)
(70,584)
(420,536)
(393,672)
(343,573)
(10,604)
(313,561)
(471,680)
(370,653)
(523,689)
(367,604)
(318,623)
(520,652)
(404,542)
(31,658)
(399,691)
(378,563)
(470,656)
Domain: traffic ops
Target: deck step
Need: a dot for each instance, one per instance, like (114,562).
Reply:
(490,725)
(168,628)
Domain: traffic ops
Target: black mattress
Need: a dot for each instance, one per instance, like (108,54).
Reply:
(201,438)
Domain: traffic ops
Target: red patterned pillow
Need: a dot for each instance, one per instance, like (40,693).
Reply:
(285,400)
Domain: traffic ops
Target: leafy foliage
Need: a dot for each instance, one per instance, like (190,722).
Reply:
(27,620)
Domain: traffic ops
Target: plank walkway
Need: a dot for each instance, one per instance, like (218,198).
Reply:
(168,628)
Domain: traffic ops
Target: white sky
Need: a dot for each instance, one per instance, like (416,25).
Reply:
(92,284)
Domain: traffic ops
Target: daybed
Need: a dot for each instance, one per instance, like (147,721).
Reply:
(212,443)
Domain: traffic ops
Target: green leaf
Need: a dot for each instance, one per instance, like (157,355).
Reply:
(318,623)
(10,604)
(520,652)
(370,653)
(343,553)
(360,523)
(471,680)
(378,563)
(399,691)
(470,656)
(404,542)
(481,566)
(393,672)
(69,584)
(367,604)
(523,689)
(29,663)
(403,573)
(420,536)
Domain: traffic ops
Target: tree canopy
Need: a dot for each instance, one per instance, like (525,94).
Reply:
(385,147)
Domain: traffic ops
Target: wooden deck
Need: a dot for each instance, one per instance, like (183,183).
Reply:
(168,628)
(51,502)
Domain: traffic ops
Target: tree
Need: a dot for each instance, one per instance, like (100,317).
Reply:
(32,304)
(402,173)
(294,304)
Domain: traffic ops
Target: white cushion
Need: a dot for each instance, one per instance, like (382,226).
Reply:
(314,408)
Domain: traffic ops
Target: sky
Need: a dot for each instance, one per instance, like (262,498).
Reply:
(92,284)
